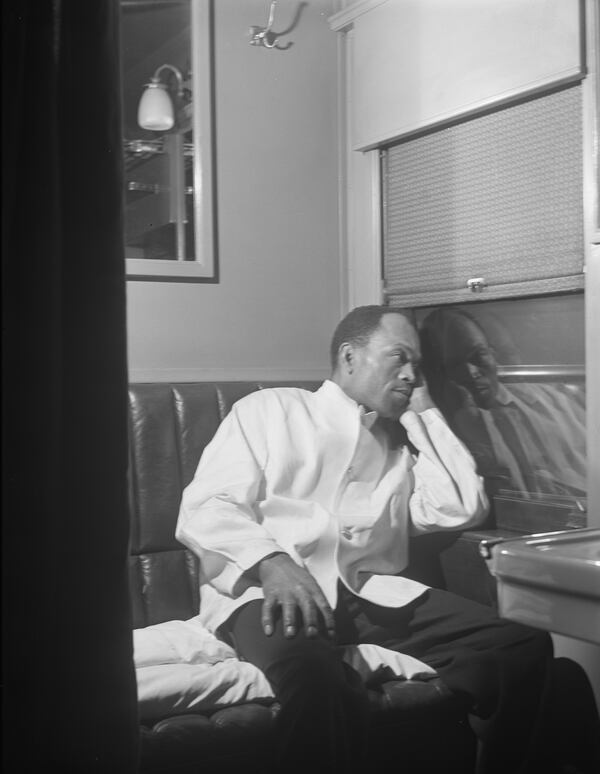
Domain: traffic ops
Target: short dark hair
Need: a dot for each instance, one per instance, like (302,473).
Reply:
(357,327)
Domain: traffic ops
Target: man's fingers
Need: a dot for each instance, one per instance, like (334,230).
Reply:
(292,593)
(267,616)
(313,608)
(328,618)
(289,615)
(310,616)
(310,611)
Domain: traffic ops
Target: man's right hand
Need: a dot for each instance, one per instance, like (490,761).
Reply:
(292,588)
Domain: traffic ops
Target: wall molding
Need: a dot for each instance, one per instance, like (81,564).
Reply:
(591,95)
(473,109)
(311,372)
(360,203)
(338,21)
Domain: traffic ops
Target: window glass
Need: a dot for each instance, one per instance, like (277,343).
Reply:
(509,378)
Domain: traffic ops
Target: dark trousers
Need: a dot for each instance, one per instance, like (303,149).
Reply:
(499,668)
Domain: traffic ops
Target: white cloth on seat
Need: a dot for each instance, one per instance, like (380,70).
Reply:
(173,689)
(178,642)
(182,667)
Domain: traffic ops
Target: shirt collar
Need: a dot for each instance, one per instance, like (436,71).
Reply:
(368,418)
(503,396)
(334,392)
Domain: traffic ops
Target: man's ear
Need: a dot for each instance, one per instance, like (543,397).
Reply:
(346,357)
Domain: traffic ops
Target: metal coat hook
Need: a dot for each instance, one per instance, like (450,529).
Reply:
(263,36)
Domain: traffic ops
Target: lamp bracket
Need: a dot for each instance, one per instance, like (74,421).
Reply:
(175,70)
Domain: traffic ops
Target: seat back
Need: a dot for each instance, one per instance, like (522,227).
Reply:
(169,426)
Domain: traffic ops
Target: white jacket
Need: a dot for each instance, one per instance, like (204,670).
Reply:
(301,472)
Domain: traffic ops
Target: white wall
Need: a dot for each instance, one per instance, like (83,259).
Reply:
(278,299)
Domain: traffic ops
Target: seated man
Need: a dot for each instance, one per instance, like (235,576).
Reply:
(301,511)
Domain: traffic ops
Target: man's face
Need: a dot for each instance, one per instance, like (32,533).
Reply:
(469,361)
(384,370)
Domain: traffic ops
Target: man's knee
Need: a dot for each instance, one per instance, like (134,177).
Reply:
(311,670)
(306,659)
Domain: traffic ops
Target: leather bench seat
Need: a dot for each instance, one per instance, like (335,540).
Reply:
(170,424)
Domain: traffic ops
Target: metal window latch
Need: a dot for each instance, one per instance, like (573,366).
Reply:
(477,284)
(485,546)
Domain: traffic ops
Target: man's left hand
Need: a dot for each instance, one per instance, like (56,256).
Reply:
(420,400)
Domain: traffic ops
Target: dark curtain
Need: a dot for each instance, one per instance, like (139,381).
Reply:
(69,701)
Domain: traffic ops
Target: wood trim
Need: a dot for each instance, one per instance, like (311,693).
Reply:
(360,203)
(343,167)
(591,126)
(464,112)
(310,372)
(339,21)
(204,268)
(591,105)
(364,231)
(492,292)
(541,373)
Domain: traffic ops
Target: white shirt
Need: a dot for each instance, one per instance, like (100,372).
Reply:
(311,475)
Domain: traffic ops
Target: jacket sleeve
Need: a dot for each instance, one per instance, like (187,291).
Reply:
(218,519)
(448,492)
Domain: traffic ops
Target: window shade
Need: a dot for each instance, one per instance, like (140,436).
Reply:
(498,197)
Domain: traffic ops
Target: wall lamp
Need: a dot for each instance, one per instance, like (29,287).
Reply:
(155,111)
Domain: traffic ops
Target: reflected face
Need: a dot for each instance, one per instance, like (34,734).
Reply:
(469,361)
(383,372)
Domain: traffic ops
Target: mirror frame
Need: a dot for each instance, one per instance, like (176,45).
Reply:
(204,267)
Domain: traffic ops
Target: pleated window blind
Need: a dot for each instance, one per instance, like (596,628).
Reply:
(497,197)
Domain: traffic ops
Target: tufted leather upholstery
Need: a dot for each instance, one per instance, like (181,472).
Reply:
(170,424)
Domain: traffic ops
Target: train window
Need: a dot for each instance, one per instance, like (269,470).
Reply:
(509,377)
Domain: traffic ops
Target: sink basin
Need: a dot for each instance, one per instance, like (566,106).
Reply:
(550,580)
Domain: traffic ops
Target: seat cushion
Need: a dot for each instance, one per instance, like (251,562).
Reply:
(407,714)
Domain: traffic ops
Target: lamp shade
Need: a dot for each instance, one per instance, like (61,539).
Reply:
(155,111)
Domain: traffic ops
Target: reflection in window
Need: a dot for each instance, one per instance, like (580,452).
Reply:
(509,380)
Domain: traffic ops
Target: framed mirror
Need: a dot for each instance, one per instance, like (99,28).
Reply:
(166,60)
